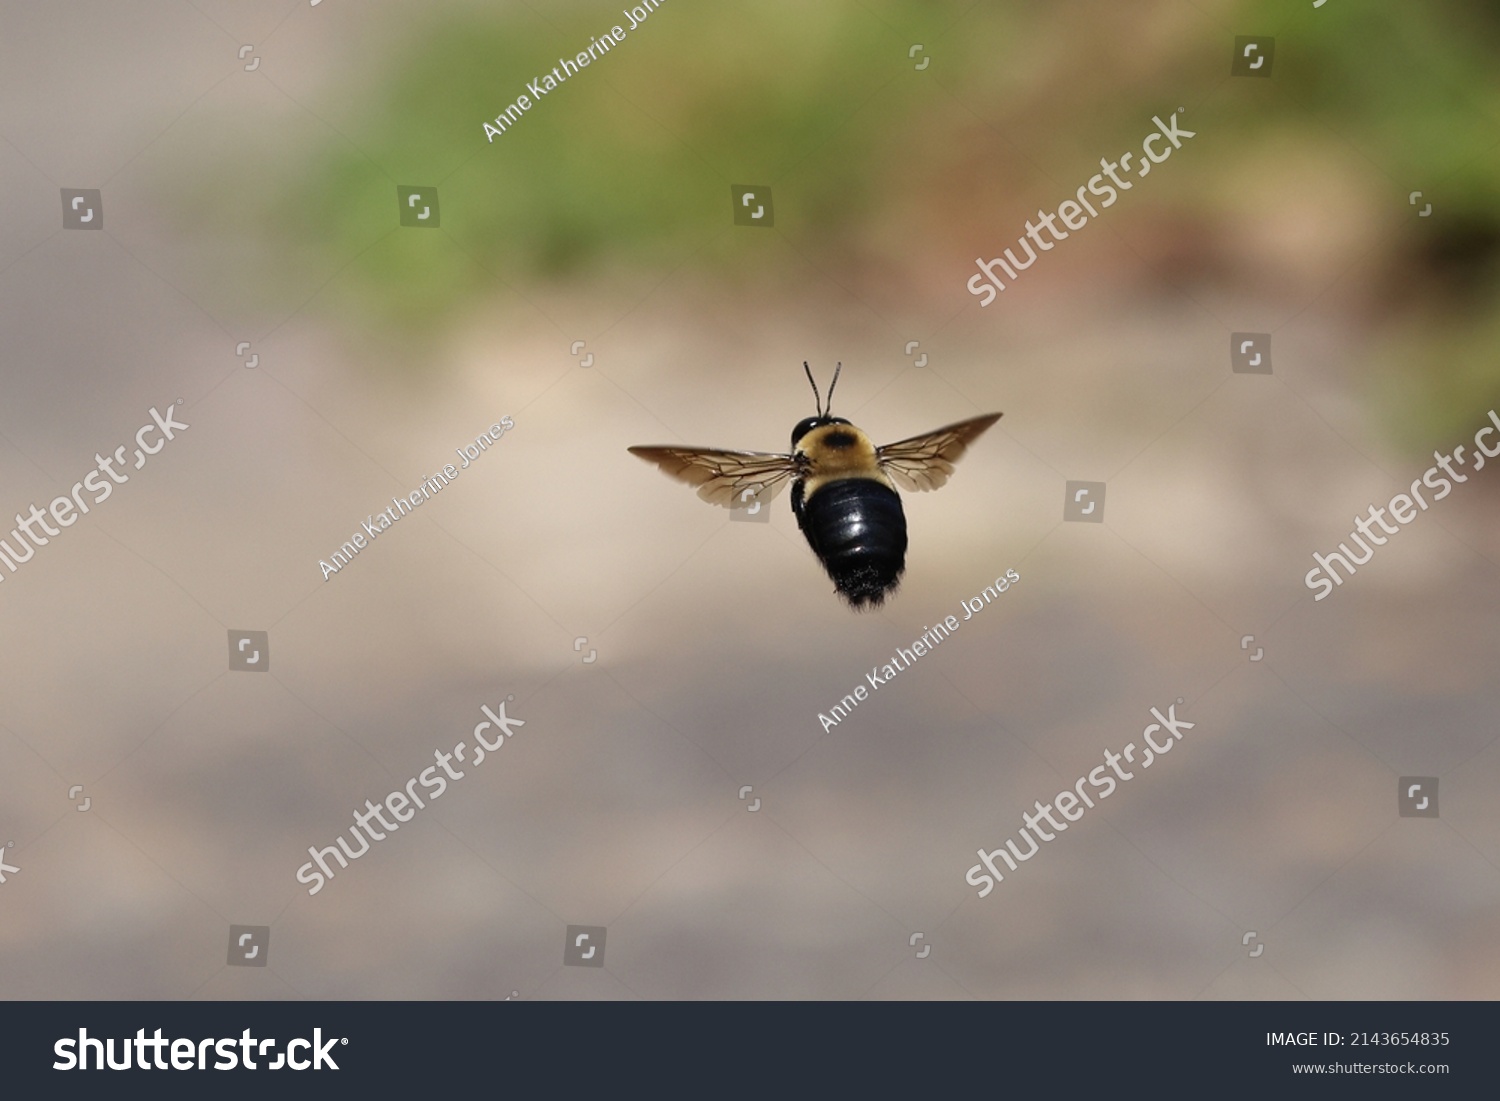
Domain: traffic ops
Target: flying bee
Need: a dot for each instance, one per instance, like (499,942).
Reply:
(843,489)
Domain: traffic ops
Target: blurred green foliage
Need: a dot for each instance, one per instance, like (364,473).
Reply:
(627,163)
(625,169)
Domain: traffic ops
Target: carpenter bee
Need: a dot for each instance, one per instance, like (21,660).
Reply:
(843,489)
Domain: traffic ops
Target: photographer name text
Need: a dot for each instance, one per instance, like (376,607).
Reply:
(905,658)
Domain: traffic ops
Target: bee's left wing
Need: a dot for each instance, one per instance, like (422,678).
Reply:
(925,461)
(723,477)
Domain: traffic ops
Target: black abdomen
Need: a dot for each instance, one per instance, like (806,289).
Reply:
(858,531)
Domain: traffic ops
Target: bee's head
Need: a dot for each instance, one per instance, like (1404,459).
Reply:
(807,425)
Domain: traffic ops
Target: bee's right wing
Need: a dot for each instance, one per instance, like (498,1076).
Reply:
(924,462)
(723,477)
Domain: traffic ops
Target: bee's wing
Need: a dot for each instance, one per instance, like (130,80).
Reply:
(925,461)
(722,477)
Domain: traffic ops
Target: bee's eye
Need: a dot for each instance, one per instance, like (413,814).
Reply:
(804,427)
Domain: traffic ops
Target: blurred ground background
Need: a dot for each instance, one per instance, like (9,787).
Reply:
(261,206)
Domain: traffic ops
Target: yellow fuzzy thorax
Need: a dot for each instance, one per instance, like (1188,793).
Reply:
(834,460)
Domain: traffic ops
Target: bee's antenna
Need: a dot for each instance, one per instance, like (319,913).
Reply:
(831,385)
(817,400)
